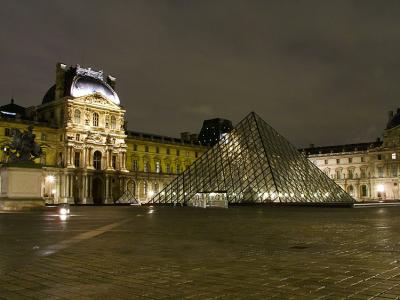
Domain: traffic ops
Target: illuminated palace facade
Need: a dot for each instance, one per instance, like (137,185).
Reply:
(89,156)
(366,171)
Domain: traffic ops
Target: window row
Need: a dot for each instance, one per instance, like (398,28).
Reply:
(158,150)
(110,122)
(158,167)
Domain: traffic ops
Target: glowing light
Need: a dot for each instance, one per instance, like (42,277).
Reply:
(151,193)
(53,191)
(380,188)
(63,211)
(50,178)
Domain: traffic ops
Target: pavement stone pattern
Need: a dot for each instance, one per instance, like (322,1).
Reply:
(194,253)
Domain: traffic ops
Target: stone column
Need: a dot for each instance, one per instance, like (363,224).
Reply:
(107,190)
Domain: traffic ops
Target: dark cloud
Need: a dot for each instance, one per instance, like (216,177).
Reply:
(322,72)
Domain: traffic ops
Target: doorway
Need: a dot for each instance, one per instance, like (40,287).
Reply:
(98,191)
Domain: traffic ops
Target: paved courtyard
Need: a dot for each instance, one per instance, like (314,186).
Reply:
(189,253)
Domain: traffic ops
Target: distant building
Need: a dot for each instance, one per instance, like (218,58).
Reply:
(213,130)
(367,171)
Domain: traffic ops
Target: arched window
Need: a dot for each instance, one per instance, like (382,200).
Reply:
(145,187)
(97,160)
(350,190)
(96,119)
(77,116)
(113,122)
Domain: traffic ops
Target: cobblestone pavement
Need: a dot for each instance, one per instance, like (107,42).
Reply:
(189,253)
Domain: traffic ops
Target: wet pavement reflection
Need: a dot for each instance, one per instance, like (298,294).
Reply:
(181,252)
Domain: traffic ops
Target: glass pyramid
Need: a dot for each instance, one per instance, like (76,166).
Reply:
(253,164)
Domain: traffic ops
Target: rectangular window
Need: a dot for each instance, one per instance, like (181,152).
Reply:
(43,137)
(61,137)
(394,156)
(338,174)
(157,149)
(158,167)
(7,131)
(362,159)
(379,156)
(350,160)
(363,173)
(135,165)
(177,152)
(196,154)
(337,161)
(326,161)
(168,151)
(77,159)
(146,148)
(114,162)
(178,168)
(146,166)
(134,147)
(351,174)
(168,168)
(380,171)
(394,170)
(78,137)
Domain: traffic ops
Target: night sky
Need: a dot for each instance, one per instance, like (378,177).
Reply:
(322,72)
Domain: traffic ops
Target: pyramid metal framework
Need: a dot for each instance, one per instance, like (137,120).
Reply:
(253,163)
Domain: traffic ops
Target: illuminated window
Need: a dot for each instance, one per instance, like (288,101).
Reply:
(394,156)
(113,122)
(145,187)
(77,116)
(158,167)
(146,166)
(96,119)
(135,165)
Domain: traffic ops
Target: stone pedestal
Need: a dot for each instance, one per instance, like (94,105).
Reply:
(20,188)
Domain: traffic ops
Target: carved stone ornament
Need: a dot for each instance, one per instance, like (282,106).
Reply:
(89,72)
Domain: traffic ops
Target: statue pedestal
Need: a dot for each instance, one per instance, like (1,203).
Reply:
(20,187)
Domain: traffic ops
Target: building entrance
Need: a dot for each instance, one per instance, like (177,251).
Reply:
(98,191)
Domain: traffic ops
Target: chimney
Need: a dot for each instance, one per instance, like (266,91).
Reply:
(111,81)
(60,81)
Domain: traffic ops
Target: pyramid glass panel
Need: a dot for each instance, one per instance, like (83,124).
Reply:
(253,164)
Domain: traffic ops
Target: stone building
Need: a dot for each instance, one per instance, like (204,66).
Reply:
(89,156)
(367,171)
